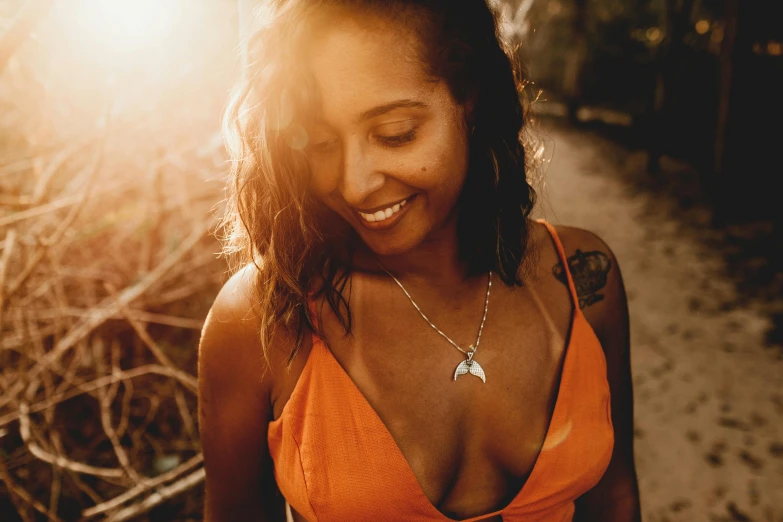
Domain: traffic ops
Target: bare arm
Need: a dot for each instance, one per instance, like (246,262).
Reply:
(234,411)
(616,497)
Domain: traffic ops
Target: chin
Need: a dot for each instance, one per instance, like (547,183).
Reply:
(391,245)
(387,249)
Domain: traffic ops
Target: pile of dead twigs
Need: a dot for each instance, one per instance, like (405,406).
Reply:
(99,329)
(108,266)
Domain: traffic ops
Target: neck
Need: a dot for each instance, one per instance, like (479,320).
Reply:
(434,263)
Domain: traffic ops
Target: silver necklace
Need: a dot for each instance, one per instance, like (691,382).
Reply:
(468,365)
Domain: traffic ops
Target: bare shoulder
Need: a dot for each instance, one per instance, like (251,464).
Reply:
(234,407)
(234,303)
(602,298)
(597,277)
(230,344)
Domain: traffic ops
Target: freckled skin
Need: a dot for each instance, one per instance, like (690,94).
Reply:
(357,167)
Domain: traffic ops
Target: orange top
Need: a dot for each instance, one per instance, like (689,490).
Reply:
(335,460)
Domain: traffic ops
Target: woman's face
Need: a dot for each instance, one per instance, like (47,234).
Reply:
(389,151)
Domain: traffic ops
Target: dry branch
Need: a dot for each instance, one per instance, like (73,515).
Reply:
(143,487)
(20,496)
(137,315)
(58,460)
(58,204)
(187,380)
(159,496)
(8,247)
(106,274)
(114,305)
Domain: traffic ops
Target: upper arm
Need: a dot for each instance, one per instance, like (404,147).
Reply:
(234,411)
(616,496)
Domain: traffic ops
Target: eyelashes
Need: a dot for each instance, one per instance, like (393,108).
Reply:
(399,139)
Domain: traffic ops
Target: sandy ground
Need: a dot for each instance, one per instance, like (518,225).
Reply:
(708,392)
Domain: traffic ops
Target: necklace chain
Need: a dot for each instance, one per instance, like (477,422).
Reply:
(455,345)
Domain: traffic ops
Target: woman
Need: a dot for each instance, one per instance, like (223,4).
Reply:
(404,342)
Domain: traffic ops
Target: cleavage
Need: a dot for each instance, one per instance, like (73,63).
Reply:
(470,446)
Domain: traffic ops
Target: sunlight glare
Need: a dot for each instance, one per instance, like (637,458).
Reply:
(126,26)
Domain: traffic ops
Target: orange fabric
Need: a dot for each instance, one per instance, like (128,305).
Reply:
(335,460)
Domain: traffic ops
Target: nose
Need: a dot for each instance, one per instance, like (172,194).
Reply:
(360,176)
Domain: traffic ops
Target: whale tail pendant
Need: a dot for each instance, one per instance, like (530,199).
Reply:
(472,367)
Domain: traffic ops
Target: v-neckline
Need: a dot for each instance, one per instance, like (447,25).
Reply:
(576,314)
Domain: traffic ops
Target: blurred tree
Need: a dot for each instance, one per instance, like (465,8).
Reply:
(592,53)
(575,58)
(701,80)
(746,158)
(668,60)
(726,74)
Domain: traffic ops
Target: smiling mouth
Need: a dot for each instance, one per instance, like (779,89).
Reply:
(383,214)
(384,218)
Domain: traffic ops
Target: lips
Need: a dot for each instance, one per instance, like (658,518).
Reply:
(383,213)
(384,217)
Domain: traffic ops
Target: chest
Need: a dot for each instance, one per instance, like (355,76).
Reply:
(380,426)
(451,431)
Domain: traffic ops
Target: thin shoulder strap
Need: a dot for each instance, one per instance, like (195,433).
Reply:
(563,260)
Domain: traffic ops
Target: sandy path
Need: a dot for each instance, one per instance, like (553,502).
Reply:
(709,395)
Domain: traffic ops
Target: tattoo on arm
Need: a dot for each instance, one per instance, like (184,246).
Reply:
(589,271)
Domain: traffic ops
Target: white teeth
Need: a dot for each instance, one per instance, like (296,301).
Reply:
(383,214)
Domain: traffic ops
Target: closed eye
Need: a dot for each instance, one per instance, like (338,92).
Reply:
(398,139)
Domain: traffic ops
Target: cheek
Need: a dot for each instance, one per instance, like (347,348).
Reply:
(444,160)
(436,165)
(324,178)
(442,166)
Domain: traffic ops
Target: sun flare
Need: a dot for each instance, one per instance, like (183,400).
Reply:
(123,26)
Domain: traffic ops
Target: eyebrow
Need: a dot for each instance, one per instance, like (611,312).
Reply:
(383,109)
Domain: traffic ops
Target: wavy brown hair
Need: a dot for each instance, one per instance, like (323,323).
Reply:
(298,246)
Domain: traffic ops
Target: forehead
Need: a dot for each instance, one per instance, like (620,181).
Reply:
(363,61)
